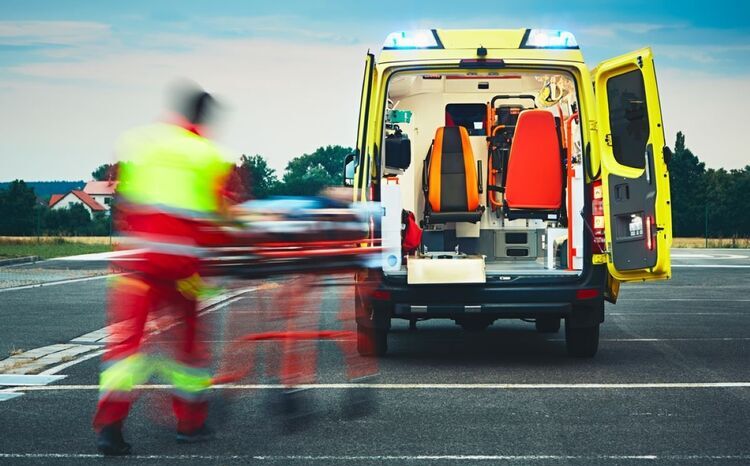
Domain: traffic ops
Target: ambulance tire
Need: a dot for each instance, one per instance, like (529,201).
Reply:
(547,324)
(372,341)
(582,342)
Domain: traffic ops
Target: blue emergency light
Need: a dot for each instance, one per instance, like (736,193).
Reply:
(415,39)
(548,39)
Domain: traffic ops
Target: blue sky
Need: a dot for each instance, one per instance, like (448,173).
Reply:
(73,74)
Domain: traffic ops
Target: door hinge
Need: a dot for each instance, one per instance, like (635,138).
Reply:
(640,61)
(608,139)
(593,126)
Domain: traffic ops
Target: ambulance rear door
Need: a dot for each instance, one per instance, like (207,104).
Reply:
(635,176)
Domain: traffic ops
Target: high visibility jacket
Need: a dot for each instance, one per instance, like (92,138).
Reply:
(171,183)
(170,167)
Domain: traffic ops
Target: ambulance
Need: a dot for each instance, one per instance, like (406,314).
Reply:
(533,185)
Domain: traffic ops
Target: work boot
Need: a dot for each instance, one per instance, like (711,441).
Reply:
(201,434)
(109,441)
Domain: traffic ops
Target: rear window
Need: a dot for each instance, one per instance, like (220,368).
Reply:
(628,118)
(473,117)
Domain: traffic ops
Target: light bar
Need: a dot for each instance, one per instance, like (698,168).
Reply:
(548,39)
(416,39)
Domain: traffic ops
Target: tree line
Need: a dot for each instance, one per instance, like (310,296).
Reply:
(24,212)
(710,199)
(700,196)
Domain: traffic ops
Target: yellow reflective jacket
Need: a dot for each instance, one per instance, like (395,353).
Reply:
(170,167)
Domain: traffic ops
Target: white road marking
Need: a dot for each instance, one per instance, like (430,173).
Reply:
(60,282)
(658,299)
(659,314)
(36,380)
(712,266)
(390,458)
(666,339)
(98,256)
(708,256)
(426,386)
(33,361)
(65,365)
(5,396)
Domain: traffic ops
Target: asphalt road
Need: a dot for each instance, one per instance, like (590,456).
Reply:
(658,392)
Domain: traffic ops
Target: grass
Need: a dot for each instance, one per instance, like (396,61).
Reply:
(736,243)
(49,247)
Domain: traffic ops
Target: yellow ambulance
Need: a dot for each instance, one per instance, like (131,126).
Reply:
(513,182)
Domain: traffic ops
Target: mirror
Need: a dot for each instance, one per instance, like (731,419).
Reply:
(350,164)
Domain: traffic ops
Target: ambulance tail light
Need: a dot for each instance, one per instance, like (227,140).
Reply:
(587,293)
(649,234)
(381,295)
(597,217)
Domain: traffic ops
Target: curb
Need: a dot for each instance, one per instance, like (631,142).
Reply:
(19,260)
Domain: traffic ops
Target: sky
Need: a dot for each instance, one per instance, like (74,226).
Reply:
(75,74)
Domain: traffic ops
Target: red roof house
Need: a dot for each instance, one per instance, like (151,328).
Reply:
(75,197)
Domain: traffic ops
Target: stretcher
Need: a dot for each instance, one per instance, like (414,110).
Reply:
(306,239)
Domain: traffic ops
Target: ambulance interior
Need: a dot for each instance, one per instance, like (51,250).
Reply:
(494,175)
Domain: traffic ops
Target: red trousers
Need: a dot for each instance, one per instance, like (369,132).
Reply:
(148,314)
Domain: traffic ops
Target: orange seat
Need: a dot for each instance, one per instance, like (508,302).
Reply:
(534,185)
(450,180)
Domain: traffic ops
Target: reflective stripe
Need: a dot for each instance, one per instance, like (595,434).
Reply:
(164,244)
(124,374)
(186,379)
(118,378)
(156,208)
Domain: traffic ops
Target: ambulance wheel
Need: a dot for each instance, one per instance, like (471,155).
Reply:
(548,324)
(371,341)
(582,342)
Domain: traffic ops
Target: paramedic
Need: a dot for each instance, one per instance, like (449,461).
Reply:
(170,205)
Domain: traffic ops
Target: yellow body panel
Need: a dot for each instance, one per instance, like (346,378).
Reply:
(639,60)
(505,44)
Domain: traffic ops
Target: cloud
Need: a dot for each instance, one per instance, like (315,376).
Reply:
(712,112)
(284,99)
(615,29)
(67,33)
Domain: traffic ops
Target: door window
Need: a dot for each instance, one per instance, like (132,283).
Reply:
(471,116)
(628,118)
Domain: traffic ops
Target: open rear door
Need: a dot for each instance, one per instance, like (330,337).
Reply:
(361,175)
(634,170)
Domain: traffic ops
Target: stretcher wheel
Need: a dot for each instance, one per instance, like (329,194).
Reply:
(371,341)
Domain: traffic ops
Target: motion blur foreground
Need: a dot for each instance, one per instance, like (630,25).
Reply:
(178,216)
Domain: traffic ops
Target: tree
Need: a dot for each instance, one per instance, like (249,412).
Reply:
(17,209)
(309,173)
(105,172)
(688,187)
(258,178)
(73,220)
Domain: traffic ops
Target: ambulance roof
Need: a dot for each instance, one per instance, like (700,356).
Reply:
(447,44)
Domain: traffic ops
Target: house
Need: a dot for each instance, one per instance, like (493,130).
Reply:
(64,201)
(96,196)
(101,191)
